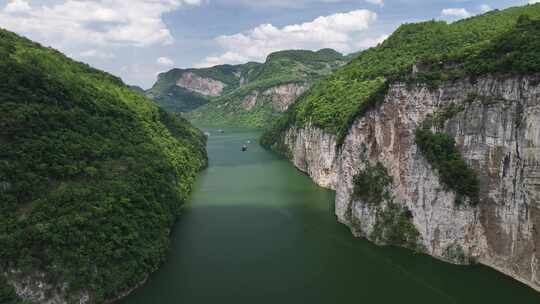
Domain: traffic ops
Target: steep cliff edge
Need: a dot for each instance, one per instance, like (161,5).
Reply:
(470,191)
(497,132)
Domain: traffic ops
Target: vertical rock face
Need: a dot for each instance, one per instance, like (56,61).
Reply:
(250,100)
(201,85)
(314,152)
(280,97)
(283,96)
(497,133)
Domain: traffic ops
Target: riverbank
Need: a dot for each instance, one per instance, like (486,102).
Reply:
(256,230)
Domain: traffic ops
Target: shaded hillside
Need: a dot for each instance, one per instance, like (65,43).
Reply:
(92,177)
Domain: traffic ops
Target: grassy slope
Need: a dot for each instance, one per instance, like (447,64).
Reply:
(334,103)
(92,174)
(283,67)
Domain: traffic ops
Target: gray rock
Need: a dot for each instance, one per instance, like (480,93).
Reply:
(498,135)
(201,85)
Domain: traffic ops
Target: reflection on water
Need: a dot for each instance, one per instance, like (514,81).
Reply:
(258,231)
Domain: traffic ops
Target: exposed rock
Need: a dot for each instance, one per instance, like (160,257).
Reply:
(313,151)
(498,134)
(201,85)
(36,289)
(250,100)
(283,96)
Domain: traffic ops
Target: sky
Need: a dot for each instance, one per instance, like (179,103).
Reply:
(138,39)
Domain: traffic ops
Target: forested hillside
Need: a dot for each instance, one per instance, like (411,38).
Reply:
(496,42)
(175,97)
(242,94)
(92,177)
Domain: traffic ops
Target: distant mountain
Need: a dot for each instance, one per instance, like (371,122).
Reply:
(247,94)
(183,90)
(137,89)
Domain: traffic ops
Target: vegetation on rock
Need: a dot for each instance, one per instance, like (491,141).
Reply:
(394,222)
(7,293)
(92,174)
(496,42)
(371,184)
(394,227)
(284,67)
(441,152)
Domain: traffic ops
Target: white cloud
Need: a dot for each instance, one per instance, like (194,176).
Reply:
(100,22)
(92,53)
(486,8)
(17,6)
(339,31)
(455,12)
(369,42)
(534,1)
(165,61)
(376,2)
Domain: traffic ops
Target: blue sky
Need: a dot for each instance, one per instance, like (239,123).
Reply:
(137,39)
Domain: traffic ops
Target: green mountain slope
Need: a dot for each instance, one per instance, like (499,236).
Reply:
(475,45)
(92,175)
(270,89)
(177,98)
(218,94)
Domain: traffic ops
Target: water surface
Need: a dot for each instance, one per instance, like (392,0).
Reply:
(258,231)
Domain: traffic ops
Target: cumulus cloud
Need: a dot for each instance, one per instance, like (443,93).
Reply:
(92,53)
(486,8)
(17,6)
(455,13)
(340,31)
(165,61)
(534,1)
(376,2)
(370,41)
(100,22)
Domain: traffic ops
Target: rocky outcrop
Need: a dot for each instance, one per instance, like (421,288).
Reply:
(313,151)
(250,101)
(497,133)
(204,86)
(35,288)
(283,96)
(280,97)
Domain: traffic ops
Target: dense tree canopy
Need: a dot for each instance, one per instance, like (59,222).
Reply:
(92,174)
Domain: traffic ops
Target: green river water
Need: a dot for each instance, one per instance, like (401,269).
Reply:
(258,231)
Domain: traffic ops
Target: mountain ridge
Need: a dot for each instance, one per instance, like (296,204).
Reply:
(225,93)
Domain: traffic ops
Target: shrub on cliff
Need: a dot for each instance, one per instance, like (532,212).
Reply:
(441,152)
(371,184)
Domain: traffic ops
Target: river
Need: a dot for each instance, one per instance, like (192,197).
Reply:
(258,231)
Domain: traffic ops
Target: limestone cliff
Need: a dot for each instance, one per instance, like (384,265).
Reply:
(201,85)
(283,96)
(497,131)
